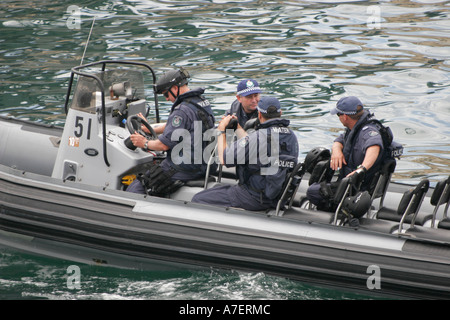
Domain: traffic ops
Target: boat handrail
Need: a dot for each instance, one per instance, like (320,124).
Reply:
(103,63)
(415,202)
(291,186)
(212,157)
(383,181)
(344,189)
(441,195)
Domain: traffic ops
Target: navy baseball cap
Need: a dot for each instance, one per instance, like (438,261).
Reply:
(266,102)
(347,105)
(247,87)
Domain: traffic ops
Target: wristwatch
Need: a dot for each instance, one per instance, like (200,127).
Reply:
(146,145)
(362,168)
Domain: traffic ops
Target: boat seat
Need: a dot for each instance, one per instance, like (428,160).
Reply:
(199,182)
(191,188)
(321,172)
(291,186)
(444,224)
(381,181)
(384,226)
(408,207)
(308,215)
(396,215)
(427,233)
(440,196)
(348,186)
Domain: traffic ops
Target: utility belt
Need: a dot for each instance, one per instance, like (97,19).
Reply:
(157,182)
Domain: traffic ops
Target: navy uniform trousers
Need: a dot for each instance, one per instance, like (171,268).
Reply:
(230,196)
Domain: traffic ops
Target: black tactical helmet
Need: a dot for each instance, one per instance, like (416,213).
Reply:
(314,156)
(171,78)
(357,205)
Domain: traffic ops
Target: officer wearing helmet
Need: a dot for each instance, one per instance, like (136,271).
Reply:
(190,110)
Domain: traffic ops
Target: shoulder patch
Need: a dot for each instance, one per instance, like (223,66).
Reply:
(373,133)
(176,121)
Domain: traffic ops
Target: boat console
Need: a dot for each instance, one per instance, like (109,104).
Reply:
(93,148)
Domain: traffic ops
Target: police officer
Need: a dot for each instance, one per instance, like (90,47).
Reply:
(190,111)
(263,159)
(247,98)
(360,147)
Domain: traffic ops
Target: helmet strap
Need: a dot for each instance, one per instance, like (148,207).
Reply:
(178,92)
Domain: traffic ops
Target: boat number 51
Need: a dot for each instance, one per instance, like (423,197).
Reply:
(80,125)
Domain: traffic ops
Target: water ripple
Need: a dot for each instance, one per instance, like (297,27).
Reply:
(394,55)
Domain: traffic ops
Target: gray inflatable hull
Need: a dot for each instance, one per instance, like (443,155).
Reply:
(90,224)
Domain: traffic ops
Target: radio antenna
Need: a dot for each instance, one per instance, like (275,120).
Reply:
(87,42)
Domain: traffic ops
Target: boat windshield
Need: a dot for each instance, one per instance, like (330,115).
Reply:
(117,83)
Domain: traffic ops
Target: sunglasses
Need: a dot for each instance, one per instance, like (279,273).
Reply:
(339,114)
(166,94)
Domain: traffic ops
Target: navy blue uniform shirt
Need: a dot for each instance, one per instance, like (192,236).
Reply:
(184,117)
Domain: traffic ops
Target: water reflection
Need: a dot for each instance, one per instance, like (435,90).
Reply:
(393,55)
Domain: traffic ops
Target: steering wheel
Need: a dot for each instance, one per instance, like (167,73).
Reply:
(134,124)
